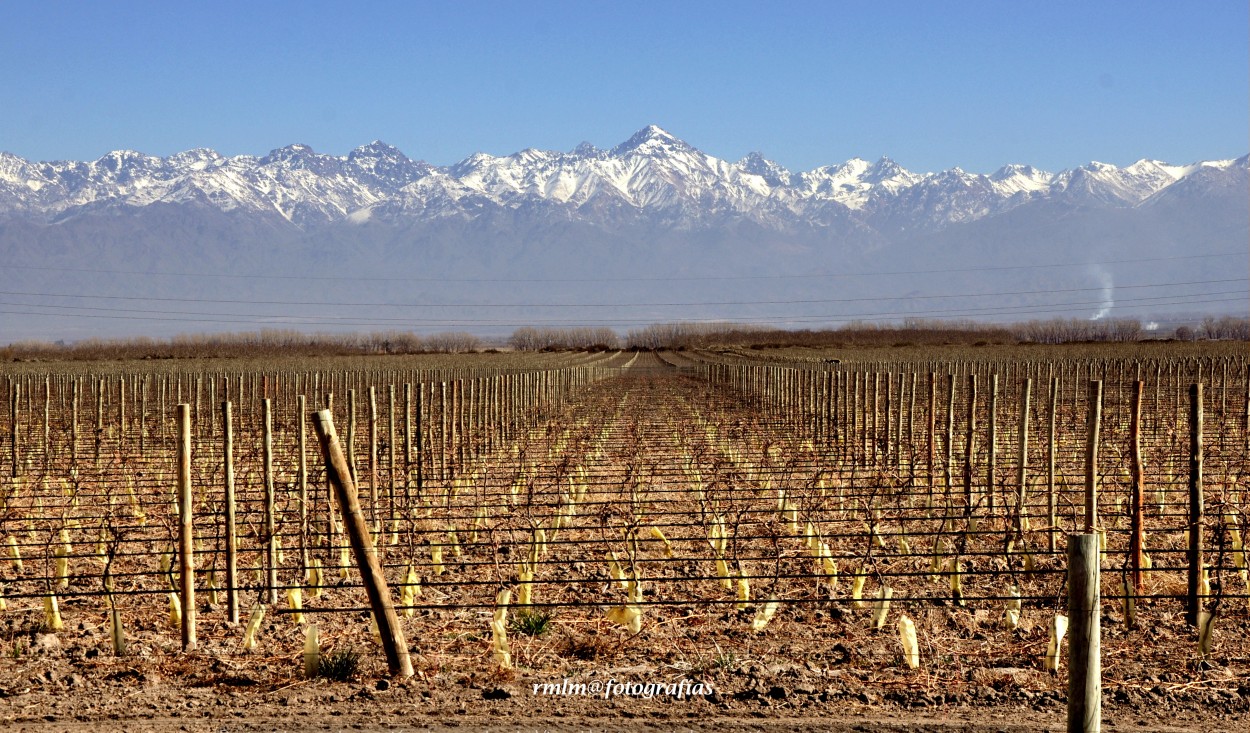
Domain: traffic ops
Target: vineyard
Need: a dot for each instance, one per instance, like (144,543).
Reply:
(796,529)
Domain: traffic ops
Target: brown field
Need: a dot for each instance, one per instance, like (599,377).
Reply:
(724,516)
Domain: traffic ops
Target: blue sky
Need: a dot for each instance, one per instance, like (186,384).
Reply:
(931,84)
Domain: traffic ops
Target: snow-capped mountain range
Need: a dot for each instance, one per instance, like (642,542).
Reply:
(648,231)
(652,173)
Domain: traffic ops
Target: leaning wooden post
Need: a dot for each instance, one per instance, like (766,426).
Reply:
(392,633)
(186,538)
(232,558)
(1193,603)
(1084,635)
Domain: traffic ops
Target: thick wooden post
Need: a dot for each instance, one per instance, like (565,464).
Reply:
(1193,603)
(392,633)
(186,533)
(1084,635)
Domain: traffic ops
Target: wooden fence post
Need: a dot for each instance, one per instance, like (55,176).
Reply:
(373,459)
(1091,455)
(970,447)
(1052,517)
(301,407)
(186,533)
(14,425)
(271,532)
(1022,476)
(1137,531)
(991,466)
(73,425)
(1193,604)
(1084,635)
(392,633)
(232,558)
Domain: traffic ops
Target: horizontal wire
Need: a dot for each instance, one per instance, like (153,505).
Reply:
(671,278)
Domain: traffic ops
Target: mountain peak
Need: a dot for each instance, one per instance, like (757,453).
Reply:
(774,173)
(1095,166)
(294,151)
(754,159)
(884,168)
(586,149)
(655,132)
(650,140)
(195,158)
(375,149)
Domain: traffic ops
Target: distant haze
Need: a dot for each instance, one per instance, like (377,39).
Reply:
(652,229)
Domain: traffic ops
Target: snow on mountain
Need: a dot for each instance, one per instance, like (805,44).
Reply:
(1011,180)
(774,174)
(653,173)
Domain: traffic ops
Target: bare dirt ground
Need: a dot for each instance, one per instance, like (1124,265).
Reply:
(818,665)
(129,699)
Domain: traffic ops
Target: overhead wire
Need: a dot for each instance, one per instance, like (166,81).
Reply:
(666,278)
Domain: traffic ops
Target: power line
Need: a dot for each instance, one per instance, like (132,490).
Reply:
(670,278)
(632,304)
(391,323)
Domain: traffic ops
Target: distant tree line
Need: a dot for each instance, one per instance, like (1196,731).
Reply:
(1227,328)
(659,336)
(921,332)
(269,342)
(913,331)
(564,339)
(1060,331)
